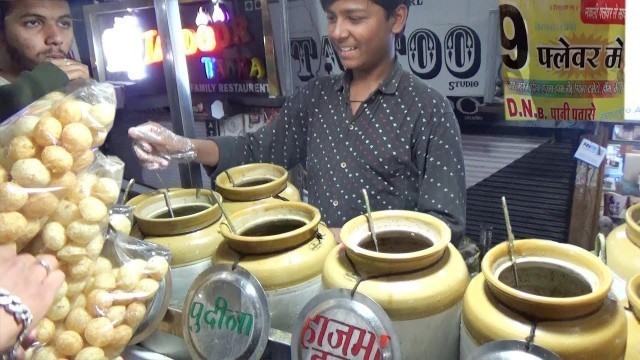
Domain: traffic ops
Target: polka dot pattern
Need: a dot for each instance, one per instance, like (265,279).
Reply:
(403,145)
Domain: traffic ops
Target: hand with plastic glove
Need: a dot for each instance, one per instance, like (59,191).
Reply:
(156,146)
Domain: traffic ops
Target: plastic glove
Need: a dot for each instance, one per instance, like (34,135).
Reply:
(156,146)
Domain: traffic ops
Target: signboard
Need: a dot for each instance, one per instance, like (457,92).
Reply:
(338,325)
(223,43)
(226,315)
(446,44)
(563,59)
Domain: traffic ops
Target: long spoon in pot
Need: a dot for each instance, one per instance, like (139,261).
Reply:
(224,213)
(370,219)
(165,193)
(511,240)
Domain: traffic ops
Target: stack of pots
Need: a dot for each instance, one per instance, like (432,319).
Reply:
(417,277)
(563,300)
(254,184)
(284,246)
(623,246)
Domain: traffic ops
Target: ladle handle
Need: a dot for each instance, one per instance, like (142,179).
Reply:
(226,216)
(165,193)
(511,240)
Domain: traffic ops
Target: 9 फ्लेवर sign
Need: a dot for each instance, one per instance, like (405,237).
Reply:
(226,315)
(563,59)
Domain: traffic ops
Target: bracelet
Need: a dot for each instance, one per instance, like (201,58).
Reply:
(21,314)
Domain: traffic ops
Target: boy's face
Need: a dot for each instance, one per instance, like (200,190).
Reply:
(361,32)
(37,31)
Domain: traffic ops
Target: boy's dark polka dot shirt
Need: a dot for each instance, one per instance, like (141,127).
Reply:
(403,145)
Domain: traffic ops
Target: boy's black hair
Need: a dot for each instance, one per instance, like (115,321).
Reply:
(389,6)
(5,7)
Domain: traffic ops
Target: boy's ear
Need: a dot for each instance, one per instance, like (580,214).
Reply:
(399,19)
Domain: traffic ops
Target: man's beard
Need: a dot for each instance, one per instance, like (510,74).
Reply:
(22,62)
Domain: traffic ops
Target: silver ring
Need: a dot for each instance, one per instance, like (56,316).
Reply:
(45,265)
(67,62)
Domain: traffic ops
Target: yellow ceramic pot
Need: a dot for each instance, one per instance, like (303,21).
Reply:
(633,319)
(290,274)
(252,184)
(623,246)
(562,288)
(192,237)
(420,278)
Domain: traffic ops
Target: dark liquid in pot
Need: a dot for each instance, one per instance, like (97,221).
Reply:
(544,280)
(274,227)
(254,182)
(182,211)
(397,242)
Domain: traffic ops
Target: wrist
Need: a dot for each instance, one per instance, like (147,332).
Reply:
(10,331)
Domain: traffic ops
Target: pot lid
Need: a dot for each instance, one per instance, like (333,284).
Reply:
(511,349)
(334,323)
(226,315)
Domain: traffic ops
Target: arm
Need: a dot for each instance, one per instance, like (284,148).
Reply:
(30,86)
(438,152)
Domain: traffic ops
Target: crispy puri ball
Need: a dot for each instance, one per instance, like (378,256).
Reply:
(99,136)
(83,188)
(94,247)
(98,302)
(82,161)
(71,253)
(21,147)
(57,159)
(30,173)
(47,131)
(101,115)
(116,314)
(129,276)
(82,232)
(12,225)
(54,96)
(75,288)
(61,184)
(76,138)
(93,209)
(77,319)
(102,265)
(66,213)
(12,196)
(46,353)
(157,267)
(99,332)
(5,160)
(104,281)
(59,310)
(91,353)
(80,270)
(45,331)
(145,289)
(68,343)
(38,107)
(107,190)
(121,223)
(25,125)
(122,334)
(29,232)
(135,313)
(40,205)
(70,111)
(53,236)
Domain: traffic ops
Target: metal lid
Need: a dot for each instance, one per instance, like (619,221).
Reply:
(226,315)
(511,349)
(335,324)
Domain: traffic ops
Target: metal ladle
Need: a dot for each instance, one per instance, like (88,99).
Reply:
(370,219)
(233,183)
(511,240)
(165,193)
(224,213)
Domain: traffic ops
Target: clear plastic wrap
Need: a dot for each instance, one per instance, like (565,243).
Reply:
(56,194)
(156,145)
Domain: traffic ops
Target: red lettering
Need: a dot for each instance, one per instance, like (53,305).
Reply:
(223,37)
(512,107)
(240,29)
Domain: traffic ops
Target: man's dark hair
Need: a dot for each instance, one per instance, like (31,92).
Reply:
(5,7)
(389,6)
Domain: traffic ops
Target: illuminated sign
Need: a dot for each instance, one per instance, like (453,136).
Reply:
(127,48)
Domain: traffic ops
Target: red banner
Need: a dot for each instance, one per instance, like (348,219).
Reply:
(603,11)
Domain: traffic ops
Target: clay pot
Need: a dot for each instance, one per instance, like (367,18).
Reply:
(253,184)
(561,287)
(633,319)
(420,278)
(287,264)
(623,244)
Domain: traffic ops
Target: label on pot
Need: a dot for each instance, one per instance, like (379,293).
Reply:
(335,325)
(226,315)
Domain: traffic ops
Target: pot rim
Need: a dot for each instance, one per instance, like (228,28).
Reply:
(352,244)
(172,226)
(237,193)
(552,250)
(633,294)
(310,226)
(633,228)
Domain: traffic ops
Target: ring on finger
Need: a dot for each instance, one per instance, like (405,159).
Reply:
(45,265)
